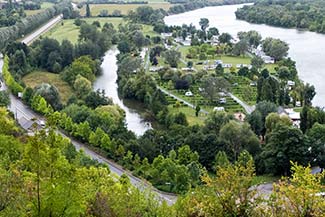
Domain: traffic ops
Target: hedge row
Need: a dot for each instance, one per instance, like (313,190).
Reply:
(14,86)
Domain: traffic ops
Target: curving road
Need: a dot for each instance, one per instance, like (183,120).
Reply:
(22,111)
(249,109)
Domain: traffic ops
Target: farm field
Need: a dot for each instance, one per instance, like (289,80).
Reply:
(44,5)
(124,8)
(35,78)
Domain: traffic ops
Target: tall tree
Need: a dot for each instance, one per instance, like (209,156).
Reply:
(204,23)
(88,12)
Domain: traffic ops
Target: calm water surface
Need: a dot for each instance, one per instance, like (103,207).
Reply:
(107,81)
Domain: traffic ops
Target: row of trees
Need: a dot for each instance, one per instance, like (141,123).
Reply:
(45,176)
(30,23)
(298,14)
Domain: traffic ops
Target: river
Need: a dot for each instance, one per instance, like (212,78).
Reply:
(306,48)
(107,82)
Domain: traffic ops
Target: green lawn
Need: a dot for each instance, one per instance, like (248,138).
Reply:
(70,31)
(190,114)
(234,60)
(124,8)
(44,5)
(35,78)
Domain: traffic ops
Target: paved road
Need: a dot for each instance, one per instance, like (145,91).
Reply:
(21,110)
(31,37)
(249,109)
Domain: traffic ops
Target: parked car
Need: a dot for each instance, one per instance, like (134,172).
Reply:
(222,100)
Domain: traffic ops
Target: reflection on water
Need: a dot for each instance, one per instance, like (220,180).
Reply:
(306,48)
(107,82)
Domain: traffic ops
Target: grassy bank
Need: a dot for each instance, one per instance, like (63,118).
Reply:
(35,78)
(68,30)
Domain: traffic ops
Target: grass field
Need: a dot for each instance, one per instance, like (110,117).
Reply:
(190,114)
(70,31)
(35,78)
(43,7)
(234,60)
(124,8)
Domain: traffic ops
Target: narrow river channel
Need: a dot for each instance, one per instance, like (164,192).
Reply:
(107,82)
(306,48)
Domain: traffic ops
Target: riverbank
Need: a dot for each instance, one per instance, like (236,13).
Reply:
(310,67)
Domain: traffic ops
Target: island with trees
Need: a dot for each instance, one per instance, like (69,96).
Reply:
(285,13)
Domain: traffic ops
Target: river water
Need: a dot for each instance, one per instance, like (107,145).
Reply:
(306,48)
(107,82)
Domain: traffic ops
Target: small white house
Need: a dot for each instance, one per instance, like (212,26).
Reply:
(166,35)
(218,109)
(268,59)
(298,104)
(294,116)
(188,93)
(291,83)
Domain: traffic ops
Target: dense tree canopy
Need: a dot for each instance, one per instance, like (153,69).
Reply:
(285,13)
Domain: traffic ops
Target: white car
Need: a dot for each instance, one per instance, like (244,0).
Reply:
(188,93)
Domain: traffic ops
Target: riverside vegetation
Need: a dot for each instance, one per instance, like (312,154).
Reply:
(176,158)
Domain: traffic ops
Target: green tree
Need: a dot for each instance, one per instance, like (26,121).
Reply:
(238,137)
(204,23)
(213,85)
(82,86)
(284,144)
(221,160)
(172,57)
(257,62)
(4,99)
(88,12)
(298,195)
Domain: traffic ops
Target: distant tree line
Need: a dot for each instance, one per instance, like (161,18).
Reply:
(290,14)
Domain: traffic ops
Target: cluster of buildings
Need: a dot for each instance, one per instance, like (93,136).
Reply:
(224,65)
(260,53)
(293,115)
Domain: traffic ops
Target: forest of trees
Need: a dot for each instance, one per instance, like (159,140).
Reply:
(286,13)
(44,175)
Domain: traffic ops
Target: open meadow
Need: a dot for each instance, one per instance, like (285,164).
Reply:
(124,8)
(35,78)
